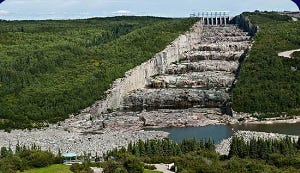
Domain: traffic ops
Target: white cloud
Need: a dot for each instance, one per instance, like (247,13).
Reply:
(122,13)
(4,12)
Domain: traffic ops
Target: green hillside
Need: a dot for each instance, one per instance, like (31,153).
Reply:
(50,69)
(267,84)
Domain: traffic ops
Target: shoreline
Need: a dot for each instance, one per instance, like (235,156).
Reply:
(246,118)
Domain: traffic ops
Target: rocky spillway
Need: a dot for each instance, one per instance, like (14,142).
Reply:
(175,98)
(201,78)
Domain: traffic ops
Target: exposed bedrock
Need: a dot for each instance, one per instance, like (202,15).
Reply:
(227,31)
(205,65)
(214,55)
(223,46)
(200,78)
(207,79)
(175,98)
(132,120)
(216,39)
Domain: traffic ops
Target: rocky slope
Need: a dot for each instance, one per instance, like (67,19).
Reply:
(201,78)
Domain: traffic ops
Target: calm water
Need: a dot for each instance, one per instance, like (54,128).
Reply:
(214,132)
(289,129)
(220,132)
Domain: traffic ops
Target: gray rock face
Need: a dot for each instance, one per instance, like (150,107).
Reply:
(226,31)
(215,39)
(214,55)
(200,78)
(207,79)
(175,98)
(202,66)
(221,46)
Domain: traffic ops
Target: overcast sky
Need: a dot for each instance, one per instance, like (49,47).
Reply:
(70,9)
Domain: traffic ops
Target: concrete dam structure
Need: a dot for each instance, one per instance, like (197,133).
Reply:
(213,17)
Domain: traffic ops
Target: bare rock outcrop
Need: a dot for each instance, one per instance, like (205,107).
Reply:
(214,55)
(201,66)
(223,46)
(207,79)
(175,98)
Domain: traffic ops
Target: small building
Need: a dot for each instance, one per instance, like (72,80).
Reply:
(70,158)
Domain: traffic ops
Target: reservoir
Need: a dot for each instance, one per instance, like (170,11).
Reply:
(219,132)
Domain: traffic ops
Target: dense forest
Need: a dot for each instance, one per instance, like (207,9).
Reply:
(50,69)
(255,155)
(269,84)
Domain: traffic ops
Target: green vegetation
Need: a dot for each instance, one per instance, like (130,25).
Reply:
(268,84)
(257,155)
(50,69)
(51,169)
(81,168)
(262,148)
(133,158)
(27,158)
(296,54)
(162,148)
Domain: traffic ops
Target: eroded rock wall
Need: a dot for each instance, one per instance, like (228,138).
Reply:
(202,77)
(137,78)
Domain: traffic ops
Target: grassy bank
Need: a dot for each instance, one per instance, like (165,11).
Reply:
(51,169)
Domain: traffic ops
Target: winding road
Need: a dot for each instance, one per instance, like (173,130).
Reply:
(288,54)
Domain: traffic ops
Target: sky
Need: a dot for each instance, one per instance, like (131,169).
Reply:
(73,9)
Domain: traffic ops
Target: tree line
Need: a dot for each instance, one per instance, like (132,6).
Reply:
(162,147)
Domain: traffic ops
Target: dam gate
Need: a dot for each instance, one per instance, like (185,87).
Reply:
(213,17)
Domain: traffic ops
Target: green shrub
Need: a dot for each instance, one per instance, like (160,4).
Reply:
(81,168)
(39,159)
(150,167)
